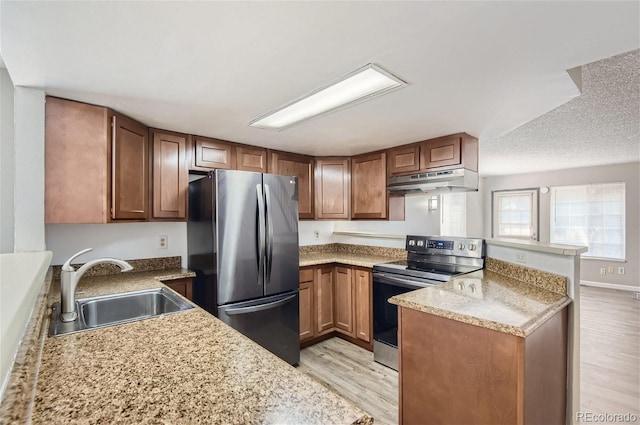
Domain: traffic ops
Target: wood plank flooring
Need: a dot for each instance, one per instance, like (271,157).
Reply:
(351,372)
(610,361)
(609,351)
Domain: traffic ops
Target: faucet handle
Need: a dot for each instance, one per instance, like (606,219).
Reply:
(67,264)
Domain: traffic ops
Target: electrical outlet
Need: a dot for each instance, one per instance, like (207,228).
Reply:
(316,234)
(610,270)
(521,257)
(163,242)
(603,270)
(620,270)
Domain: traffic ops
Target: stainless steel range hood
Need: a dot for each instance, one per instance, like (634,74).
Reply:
(456,180)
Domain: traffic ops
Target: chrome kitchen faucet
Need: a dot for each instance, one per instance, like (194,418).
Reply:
(70,277)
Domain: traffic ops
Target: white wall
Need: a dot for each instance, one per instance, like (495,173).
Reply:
(7,167)
(307,229)
(418,221)
(589,268)
(29,170)
(127,241)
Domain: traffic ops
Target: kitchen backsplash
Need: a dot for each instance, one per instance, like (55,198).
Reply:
(141,265)
(354,249)
(545,280)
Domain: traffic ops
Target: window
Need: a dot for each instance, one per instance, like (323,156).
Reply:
(515,214)
(591,215)
(453,217)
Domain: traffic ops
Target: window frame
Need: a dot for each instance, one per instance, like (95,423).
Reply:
(535,212)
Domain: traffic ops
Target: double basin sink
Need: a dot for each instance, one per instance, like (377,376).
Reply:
(109,310)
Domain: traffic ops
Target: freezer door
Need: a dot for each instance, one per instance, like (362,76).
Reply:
(272,322)
(238,194)
(281,201)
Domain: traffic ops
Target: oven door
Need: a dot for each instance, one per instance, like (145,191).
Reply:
(385,314)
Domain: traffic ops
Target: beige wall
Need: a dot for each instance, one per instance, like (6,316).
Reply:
(590,269)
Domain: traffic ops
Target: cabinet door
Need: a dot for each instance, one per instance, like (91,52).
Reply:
(170,183)
(441,152)
(251,159)
(183,287)
(307,304)
(209,154)
(302,167)
(130,169)
(363,302)
(369,186)
(333,188)
(404,160)
(344,301)
(77,167)
(324,300)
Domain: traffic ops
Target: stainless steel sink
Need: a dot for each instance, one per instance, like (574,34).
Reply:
(109,310)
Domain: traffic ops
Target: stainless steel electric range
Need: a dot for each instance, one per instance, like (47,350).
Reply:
(431,260)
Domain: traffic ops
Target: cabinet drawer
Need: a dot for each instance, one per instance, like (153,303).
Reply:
(306,275)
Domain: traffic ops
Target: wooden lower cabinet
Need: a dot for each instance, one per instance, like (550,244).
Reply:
(456,373)
(182,286)
(344,301)
(323,300)
(336,300)
(363,301)
(307,311)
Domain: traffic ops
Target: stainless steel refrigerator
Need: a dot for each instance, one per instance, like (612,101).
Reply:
(242,238)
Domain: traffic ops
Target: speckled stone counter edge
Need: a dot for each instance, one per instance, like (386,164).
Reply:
(545,280)
(18,397)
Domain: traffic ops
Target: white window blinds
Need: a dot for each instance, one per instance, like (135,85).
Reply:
(591,215)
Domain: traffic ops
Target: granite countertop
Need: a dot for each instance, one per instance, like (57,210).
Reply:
(186,368)
(489,300)
(352,259)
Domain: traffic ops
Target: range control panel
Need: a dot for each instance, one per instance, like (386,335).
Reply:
(465,247)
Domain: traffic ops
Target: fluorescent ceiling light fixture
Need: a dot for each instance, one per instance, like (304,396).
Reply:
(361,84)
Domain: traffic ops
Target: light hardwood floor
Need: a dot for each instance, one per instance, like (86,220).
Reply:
(610,361)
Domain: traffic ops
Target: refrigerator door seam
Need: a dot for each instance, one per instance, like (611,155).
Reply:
(269,229)
(261,234)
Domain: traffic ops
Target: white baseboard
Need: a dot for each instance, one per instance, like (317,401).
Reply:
(610,286)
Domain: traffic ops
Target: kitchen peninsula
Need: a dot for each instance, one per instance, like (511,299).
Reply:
(181,368)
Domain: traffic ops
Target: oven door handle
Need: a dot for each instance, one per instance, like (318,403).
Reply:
(413,284)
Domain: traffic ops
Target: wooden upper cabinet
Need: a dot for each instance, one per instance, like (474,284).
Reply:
(130,169)
(404,160)
(77,162)
(301,166)
(363,303)
(332,188)
(344,301)
(96,166)
(250,158)
(369,186)
(323,299)
(454,151)
(169,170)
(208,154)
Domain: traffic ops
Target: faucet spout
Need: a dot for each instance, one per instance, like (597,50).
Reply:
(69,278)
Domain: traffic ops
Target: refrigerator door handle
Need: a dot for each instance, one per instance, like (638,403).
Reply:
(260,307)
(269,231)
(261,235)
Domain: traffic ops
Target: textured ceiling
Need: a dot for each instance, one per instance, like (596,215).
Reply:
(209,68)
(602,126)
